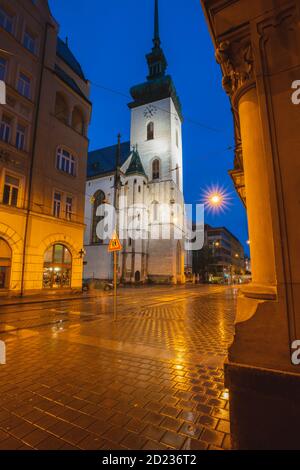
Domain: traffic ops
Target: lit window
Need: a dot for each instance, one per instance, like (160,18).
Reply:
(5,129)
(24,85)
(150,131)
(20,137)
(57,204)
(69,207)
(156,169)
(3,66)
(6,21)
(29,42)
(65,161)
(57,267)
(11,191)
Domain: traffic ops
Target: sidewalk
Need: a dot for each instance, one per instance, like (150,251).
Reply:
(54,296)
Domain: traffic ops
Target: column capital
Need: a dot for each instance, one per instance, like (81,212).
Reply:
(236,60)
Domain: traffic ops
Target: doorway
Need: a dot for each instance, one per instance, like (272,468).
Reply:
(5,264)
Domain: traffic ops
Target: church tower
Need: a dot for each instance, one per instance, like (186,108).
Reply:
(156,130)
(156,118)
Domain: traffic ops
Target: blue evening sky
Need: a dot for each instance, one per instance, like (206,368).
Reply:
(110,40)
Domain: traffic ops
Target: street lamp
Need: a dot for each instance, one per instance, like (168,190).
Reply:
(216,199)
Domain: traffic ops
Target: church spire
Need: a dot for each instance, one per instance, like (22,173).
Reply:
(156,59)
(156,39)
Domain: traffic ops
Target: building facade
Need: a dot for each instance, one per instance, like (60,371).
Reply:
(43,152)
(149,172)
(257,47)
(222,257)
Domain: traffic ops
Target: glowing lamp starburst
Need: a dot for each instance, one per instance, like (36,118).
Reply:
(216,199)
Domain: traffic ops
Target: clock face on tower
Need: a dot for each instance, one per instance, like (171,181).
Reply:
(150,111)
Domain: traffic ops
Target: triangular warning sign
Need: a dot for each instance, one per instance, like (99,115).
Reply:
(114,244)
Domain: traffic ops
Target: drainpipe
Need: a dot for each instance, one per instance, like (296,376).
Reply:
(33,155)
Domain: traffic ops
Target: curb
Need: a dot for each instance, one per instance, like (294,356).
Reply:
(42,301)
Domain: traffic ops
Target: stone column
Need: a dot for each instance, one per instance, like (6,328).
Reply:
(257,193)
(258,50)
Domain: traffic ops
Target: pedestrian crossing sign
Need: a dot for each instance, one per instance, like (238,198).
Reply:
(114,244)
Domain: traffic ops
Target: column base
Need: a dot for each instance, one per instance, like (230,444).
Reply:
(264,407)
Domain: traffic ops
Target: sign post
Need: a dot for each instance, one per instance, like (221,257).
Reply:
(113,247)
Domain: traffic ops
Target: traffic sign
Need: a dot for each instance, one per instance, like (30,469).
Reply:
(114,244)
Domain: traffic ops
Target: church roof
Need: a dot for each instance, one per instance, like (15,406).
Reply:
(69,81)
(155,90)
(103,160)
(63,51)
(159,85)
(135,166)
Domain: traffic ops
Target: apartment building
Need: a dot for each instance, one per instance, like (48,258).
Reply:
(43,152)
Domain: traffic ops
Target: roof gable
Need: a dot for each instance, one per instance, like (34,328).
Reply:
(63,51)
(103,160)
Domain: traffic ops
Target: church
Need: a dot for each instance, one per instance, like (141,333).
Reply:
(147,173)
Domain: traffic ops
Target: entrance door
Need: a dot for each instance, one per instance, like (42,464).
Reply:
(137,276)
(5,264)
(57,267)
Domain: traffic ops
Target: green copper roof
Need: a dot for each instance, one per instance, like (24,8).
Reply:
(155,90)
(135,166)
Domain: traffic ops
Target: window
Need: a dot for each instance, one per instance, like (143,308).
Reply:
(177,138)
(150,131)
(3,66)
(5,129)
(6,21)
(29,42)
(78,121)
(20,137)
(61,108)
(5,264)
(24,85)
(156,169)
(57,267)
(65,161)
(11,190)
(69,207)
(99,198)
(57,204)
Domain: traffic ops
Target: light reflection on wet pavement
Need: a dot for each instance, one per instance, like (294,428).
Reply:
(151,380)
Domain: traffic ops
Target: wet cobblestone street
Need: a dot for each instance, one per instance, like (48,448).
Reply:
(74,379)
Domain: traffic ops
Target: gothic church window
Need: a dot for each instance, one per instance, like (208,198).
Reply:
(150,131)
(156,169)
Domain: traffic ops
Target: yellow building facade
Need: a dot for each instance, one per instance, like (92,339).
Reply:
(43,153)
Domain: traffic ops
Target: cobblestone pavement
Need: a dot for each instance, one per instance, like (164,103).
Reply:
(74,379)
